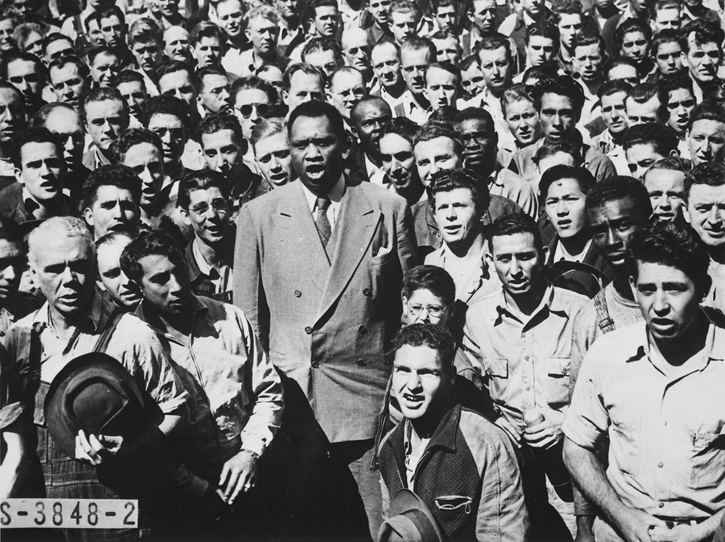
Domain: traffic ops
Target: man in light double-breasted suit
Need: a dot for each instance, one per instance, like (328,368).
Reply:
(318,272)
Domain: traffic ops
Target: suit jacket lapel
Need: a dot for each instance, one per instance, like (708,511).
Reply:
(301,227)
(349,243)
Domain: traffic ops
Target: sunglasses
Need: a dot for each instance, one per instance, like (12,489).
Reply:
(263,110)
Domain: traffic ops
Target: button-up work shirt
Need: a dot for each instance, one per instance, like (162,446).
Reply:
(525,362)
(241,388)
(666,424)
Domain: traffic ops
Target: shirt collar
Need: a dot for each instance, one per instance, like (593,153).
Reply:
(96,314)
(335,194)
(549,302)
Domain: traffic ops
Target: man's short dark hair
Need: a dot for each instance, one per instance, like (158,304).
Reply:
(253,82)
(493,41)
(644,92)
(663,139)
(613,87)
(581,175)
(620,187)
(34,135)
(667,35)
(474,113)
(131,138)
(516,223)
(712,110)
(64,60)
(707,173)
(591,38)
(317,109)
(221,120)
(173,66)
(434,337)
(550,148)
(563,85)
(631,25)
(101,50)
(303,67)
(149,243)
(207,29)
(402,126)
(416,43)
(321,45)
(101,94)
(201,73)
(433,130)
(545,29)
(675,81)
(448,180)
(200,180)
(165,105)
(128,76)
(114,175)
(53,37)
(705,32)
(672,245)
(27,57)
(432,278)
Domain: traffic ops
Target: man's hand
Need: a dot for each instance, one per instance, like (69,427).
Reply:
(510,429)
(635,525)
(239,473)
(93,449)
(547,433)
(679,533)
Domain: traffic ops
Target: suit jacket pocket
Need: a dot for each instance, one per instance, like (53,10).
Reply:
(454,502)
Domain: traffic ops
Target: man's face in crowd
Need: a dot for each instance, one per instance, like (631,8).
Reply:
(414,63)
(147,54)
(523,121)
(317,153)
(441,88)
(403,25)
(215,93)
(95,36)
(68,84)
(113,31)
(165,285)
(346,90)
(435,155)
(42,170)
(479,143)
(231,13)
(669,57)
(635,46)
(447,18)
(640,157)
(274,159)
(457,218)
(356,48)
(447,50)
(64,269)
(706,141)
(624,73)
(33,44)
(517,261)
(369,123)
(6,36)
(421,384)
(532,7)
(304,87)
(666,188)
(122,289)
(668,17)
(104,69)
(326,21)
(705,211)
(680,104)
(105,120)
(147,162)
(423,302)
(250,106)
(540,50)
(176,44)
(668,299)
(208,52)
(564,205)
(386,64)
(472,80)
(702,59)
(380,10)
(587,61)
(134,92)
(208,215)
(178,84)
(170,130)
(287,9)
(67,125)
(263,34)
(570,26)
(640,113)
(57,49)
(12,264)
(324,61)
(614,112)
(558,117)
(483,15)
(496,68)
(223,151)
(398,160)
(25,77)
(612,226)
(113,210)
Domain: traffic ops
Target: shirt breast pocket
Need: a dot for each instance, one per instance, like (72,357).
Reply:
(707,460)
(624,448)
(557,381)
(498,373)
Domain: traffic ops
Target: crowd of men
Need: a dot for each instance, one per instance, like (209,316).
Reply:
(365,269)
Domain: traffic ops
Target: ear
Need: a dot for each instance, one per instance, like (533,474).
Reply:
(546,254)
(686,212)
(100,285)
(88,216)
(247,34)
(184,216)
(19,176)
(285,97)
(674,153)
(469,14)
(633,287)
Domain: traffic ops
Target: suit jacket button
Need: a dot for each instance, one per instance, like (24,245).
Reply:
(361,363)
(366,292)
(362,329)
(315,364)
(298,293)
(308,330)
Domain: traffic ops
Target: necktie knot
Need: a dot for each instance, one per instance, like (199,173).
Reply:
(323,223)
(323,202)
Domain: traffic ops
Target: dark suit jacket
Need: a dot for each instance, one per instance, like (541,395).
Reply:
(327,322)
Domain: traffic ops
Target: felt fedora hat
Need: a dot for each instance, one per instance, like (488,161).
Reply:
(94,392)
(409,520)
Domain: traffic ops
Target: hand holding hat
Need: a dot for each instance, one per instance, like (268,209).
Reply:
(93,448)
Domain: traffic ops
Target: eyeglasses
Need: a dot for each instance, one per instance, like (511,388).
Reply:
(176,133)
(434,311)
(262,110)
(219,205)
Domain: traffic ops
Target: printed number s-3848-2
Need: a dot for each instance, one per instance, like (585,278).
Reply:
(69,514)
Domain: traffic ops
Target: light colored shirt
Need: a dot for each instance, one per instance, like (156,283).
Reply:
(412,109)
(526,362)
(220,275)
(335,194)
(665,424)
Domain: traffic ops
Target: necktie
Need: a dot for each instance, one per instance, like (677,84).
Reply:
(323,224)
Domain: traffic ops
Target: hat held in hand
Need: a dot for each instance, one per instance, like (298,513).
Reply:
(409,520)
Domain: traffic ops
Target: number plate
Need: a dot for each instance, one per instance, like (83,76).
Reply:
(69,513)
